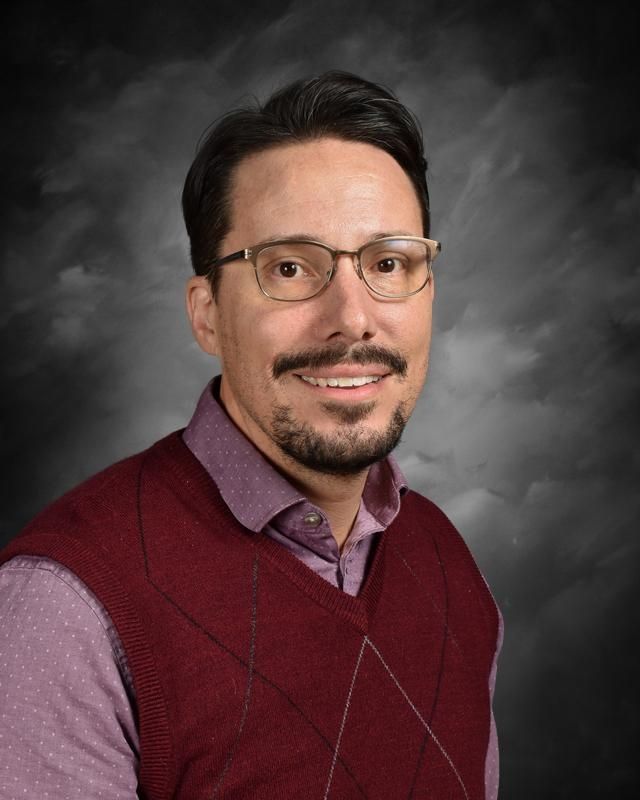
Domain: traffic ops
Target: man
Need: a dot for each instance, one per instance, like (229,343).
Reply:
(257,607)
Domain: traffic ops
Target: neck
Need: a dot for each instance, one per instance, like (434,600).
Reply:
(337,495)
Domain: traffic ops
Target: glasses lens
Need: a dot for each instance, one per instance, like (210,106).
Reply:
(396,267)
(293,271)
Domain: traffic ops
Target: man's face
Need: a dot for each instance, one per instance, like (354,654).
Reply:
(344,194)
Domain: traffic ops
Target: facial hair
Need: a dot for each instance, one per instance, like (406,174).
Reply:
(340,354)
(348,451)
(353,447)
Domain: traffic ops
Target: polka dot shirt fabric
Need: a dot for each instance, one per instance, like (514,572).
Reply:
(67,707)
(66,716)
(263,500)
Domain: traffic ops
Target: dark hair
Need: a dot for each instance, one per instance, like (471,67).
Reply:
(336,104)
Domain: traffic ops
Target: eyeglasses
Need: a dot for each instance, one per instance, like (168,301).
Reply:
(298,269)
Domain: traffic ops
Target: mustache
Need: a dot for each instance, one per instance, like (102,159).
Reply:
(342,354)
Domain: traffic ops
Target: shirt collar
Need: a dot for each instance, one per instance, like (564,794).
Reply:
(252,487)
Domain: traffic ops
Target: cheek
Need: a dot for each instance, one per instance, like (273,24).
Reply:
(234,348)
(250,341)
(418,343)
(281,328)
(410,328)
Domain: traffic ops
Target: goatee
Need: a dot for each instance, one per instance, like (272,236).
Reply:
(350,450)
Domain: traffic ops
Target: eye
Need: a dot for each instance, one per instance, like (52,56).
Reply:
(291,262)
(388,265)
(288,269)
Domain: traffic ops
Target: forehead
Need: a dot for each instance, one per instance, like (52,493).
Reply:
(327,188)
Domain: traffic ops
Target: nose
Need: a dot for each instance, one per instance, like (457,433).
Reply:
(348,310)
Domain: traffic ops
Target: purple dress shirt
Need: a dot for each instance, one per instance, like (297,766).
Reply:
(67,706)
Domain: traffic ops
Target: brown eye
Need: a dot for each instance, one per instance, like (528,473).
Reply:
(288,269)
(387,265)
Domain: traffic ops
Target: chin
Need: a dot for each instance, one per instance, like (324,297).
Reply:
(347,449)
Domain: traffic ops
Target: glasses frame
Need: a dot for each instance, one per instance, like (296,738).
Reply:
(251,254)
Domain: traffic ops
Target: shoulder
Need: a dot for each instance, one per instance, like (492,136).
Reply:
(39,592)
(112,485)
(105,502)
(424,529)
(64,684)
(423,516)
(93,530)
(426,519)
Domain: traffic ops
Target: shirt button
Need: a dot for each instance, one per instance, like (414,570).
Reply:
(312,519)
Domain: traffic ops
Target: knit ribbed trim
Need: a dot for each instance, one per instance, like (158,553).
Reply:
(155,747)
(195,487)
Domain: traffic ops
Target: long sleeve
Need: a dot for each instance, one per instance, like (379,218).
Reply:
(67,726)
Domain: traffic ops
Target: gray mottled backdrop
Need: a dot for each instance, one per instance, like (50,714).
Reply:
(527,431)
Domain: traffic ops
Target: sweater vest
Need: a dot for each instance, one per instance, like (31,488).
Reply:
(256,678)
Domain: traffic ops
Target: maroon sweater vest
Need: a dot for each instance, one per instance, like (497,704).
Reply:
(256,678)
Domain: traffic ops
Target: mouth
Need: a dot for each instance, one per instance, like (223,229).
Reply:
(352,387)
(342,361)
(343,382)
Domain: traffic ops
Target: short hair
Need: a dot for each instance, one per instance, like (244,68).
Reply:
(335,104)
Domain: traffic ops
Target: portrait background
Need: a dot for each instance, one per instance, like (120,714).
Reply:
(526,433)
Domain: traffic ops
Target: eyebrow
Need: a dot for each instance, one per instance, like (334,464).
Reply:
(309,237)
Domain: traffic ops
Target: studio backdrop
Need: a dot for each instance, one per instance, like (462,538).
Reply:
(527,431)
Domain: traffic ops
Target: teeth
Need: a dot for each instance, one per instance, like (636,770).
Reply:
(342,382)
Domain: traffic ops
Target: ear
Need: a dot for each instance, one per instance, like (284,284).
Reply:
(202,312)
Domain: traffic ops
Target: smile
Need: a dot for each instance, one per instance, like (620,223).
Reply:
(342,382)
